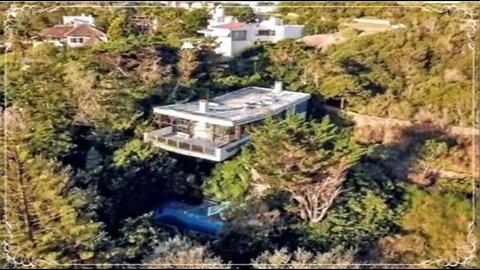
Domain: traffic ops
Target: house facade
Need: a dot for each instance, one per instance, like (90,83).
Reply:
(76,31)
(233,36)
(216,130)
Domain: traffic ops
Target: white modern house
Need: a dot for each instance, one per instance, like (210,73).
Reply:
(76,31)
(216,129)
(233,36)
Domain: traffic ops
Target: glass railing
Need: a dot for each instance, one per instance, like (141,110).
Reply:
(180,143)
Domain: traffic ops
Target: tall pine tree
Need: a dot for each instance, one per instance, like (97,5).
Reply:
(39,218)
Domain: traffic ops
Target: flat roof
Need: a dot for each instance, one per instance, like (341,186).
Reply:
(242,106)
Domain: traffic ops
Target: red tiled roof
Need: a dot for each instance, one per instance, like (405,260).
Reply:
(85,30)
(57,31)
(233,25)
(82,30)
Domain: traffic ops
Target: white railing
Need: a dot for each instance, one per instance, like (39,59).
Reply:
(159,138)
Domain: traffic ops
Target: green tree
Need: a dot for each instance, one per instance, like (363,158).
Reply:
(363,214)
(135,168)
(429,153)
(373,74)
(135,240)
(87,97)
(230,181)
(121,27)
(243,14)
(114,89)
(311,160)
(320,27)
(288,60)
(310,163)
(178,23)
(186,68)
(252,226)
(196,19)
(344,87)
(180,252)
(301,258)
(44,97)
(436,226)
(172,23)
(41,213)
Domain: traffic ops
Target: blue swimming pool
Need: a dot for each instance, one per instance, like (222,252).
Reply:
(204,218)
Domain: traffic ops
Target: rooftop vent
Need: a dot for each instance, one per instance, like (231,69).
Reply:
(278,87)
(203,106)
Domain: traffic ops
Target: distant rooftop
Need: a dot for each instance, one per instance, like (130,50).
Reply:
(70,30)
(230,26)
(239,107)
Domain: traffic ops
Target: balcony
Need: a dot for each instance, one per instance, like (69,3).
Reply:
(181,143)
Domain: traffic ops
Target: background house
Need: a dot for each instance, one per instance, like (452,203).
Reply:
(233,36)
(76,31)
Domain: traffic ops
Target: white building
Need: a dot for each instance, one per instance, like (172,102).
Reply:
(233,36)
(82,19)
(215,130)
(76,31)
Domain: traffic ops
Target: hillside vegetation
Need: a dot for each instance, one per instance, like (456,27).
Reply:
(81,185)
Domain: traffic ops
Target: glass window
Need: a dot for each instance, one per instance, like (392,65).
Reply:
(282,115)
(182,125)
(163,120)
(221,134)
(239,35)
(76,40)
(266,33)
(301,107)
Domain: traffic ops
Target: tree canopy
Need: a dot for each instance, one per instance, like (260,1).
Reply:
(82,186)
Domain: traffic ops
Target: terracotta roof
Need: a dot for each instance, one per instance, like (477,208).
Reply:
(81,30)
(57,31)
(85,30)
(233,25)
